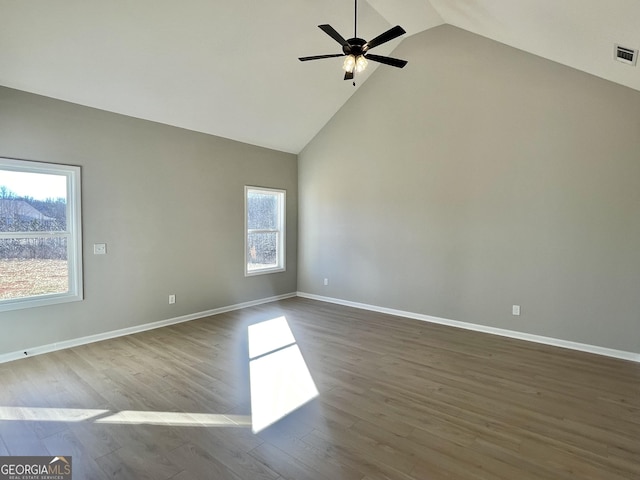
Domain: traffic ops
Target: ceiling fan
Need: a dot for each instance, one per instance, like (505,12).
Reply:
(357,49)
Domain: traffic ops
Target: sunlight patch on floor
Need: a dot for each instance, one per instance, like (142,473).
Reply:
(180,419)
(279,377)
(265,337)
(46,414)
(125,417)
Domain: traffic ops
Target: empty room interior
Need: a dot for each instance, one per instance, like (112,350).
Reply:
(218,261)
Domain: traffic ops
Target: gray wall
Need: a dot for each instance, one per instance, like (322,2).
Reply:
(168,202)
(476,178)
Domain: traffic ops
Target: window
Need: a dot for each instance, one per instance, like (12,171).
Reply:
(264,230)
(40,234)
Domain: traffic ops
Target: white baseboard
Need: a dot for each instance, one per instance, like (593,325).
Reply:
(52,347)
(609,352)
(583,347)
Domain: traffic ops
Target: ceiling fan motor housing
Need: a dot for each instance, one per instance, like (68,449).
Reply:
(355,46)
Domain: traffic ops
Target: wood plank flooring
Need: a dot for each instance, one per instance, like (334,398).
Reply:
(398,399)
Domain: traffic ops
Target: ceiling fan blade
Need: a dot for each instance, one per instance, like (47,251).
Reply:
(329,30)
(394,62)
(385,37)
(348,75)
(318,57)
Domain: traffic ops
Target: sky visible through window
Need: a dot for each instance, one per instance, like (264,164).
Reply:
(39,186)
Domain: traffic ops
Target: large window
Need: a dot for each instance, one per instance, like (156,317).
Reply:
(40,234)
(264,230)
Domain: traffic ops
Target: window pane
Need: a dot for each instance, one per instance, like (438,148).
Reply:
(262,250)
(33,266)
(262,211)
(40,234)
(265,224)
(32,202)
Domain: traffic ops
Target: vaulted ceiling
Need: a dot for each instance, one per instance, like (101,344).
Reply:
(230,68)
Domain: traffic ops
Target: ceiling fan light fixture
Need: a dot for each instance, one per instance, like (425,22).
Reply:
(361,63)
(349,63)
(353,63)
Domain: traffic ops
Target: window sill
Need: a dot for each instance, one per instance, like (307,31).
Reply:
(41,301)
(264,271)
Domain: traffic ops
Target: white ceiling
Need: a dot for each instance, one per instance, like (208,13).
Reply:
(230,68)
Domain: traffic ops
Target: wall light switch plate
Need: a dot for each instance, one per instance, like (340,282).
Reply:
(99,248)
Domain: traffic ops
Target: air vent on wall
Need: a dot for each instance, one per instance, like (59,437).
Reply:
(625,54)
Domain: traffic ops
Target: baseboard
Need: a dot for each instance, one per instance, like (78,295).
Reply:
(52,347)
(583,347)
(29,352)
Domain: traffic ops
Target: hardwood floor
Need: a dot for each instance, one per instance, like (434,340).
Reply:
(398,399)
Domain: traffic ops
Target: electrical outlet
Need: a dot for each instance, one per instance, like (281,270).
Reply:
(326,281)
(172,299)
(515,310)
(99,248)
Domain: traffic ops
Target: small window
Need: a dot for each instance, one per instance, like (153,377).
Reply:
(40,234)
(264,230)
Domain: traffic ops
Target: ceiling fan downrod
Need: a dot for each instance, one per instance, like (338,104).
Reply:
(355,19)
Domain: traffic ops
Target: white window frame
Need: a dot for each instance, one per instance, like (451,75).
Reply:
(73,234)
(282,231)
